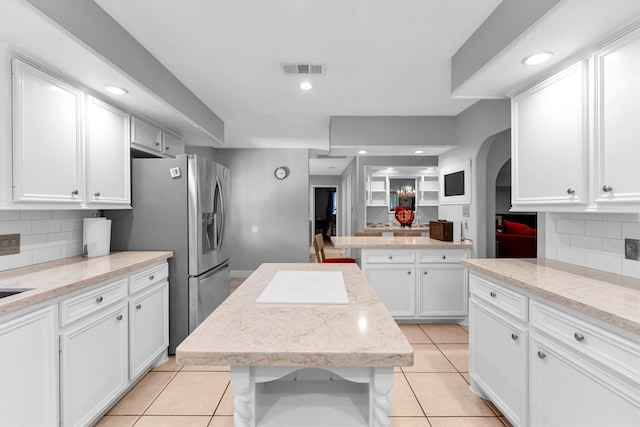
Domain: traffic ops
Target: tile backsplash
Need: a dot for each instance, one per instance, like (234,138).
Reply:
(44,235)
(592,240)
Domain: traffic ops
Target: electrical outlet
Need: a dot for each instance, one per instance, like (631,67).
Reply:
(465,211)
(631,249)
(9,244)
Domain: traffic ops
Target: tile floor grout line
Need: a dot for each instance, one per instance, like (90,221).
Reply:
(415,396)
(175,373)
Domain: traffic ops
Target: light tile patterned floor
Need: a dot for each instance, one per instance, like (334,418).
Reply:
(432,393)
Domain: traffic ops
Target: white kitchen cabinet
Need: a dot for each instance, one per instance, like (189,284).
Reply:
(443,291)
(145,136)
(428,186)
(47,138)
(28,369)
(395,285)
(377,190)
(550,142)
(172,144)
(148,326)
(107,156)
(93,364)
(566,390)
(616,122)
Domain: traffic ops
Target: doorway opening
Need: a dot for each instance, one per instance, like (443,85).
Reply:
(325,209)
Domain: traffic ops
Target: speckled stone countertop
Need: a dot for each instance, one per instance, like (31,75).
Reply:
(377,226)
(608,297)
(51,279)
(395,242)
(241,332)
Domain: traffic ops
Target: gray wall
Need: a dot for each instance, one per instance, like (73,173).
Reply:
(269,217)
(499,153)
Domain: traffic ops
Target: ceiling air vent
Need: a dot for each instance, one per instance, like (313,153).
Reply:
(297,68)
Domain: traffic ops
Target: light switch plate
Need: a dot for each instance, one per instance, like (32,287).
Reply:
(174,172)
(9,244)
(632,249)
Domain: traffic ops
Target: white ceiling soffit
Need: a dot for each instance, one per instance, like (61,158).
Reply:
(32,36)
(390,150)
(328,165)
(569,30)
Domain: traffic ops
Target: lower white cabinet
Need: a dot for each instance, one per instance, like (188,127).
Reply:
(571,371)
(28,369)
(93,365)
(148,327)
(395,285)
(419,284)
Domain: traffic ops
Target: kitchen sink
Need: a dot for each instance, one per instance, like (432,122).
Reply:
(8,292)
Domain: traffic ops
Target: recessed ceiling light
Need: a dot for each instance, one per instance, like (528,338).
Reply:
(537,58)
(116,90)
(305,86)
(418,152)
(362,152)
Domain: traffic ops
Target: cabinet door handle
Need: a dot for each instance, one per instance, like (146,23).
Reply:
(409,272)
(99,299)
(606,188)
(493,294)
(157,144)
(138,307)
(578,336)
(152,277)
(571,191)
(390,256)
(514,337)
(119,317)
(97,194)
(166,147)
(425,273)
(74,193)
(444,257)
(541,355)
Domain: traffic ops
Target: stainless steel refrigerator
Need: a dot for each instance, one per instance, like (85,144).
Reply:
(179,205)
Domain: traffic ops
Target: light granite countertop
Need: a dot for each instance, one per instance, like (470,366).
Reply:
(377,226)
(608,297)
(51,279)
(242,332)
(396,242)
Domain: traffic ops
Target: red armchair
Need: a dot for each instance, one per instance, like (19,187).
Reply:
(515,240)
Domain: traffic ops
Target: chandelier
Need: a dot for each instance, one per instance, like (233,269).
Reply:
(406,193)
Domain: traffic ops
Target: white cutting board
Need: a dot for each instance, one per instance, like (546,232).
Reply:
(305,287)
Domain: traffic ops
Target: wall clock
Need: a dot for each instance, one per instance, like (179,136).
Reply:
(281,172)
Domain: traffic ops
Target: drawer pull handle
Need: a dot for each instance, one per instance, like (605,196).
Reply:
(152,277)
(514,337)
(606,188)
(571,191)
(426,272)
(390,256)
(444,257)
(408,272)
(541,355)
(99,299)
(97,194)
(493,294)
(119,317)
(138,307)
(578,337)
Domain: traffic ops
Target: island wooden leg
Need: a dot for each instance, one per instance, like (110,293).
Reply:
(244,403)
(380,389)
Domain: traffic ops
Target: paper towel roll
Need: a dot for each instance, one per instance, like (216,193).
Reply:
(96,237)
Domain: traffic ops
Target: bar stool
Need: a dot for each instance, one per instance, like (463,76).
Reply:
(318,247)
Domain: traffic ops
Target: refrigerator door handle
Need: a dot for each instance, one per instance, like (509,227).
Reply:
(221,217)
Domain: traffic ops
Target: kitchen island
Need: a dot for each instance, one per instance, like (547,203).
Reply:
(418,278)
(304,362)
(554,344)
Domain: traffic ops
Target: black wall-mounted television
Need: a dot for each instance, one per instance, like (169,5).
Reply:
(454,184)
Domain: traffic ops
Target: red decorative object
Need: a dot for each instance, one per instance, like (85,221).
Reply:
(404,215)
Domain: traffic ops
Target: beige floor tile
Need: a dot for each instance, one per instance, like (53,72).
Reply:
(457,354)
(414,333)
(463,422)
(450,333)
(466,377)
(169,365)
(409,422)
(465,327)
(173,421)
(427,358)
(403,401)
(143,394)
(200,368)
(117,421)
(217,421)
(446,395)
(494,408)
(225,407)
(505,422)
(191,393)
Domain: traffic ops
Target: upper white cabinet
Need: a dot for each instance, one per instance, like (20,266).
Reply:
(69,150)
(377,190)
(107,154)
(617,122)
(145,136)
(173,144)
(575,135)
(47,138)
(550,141)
